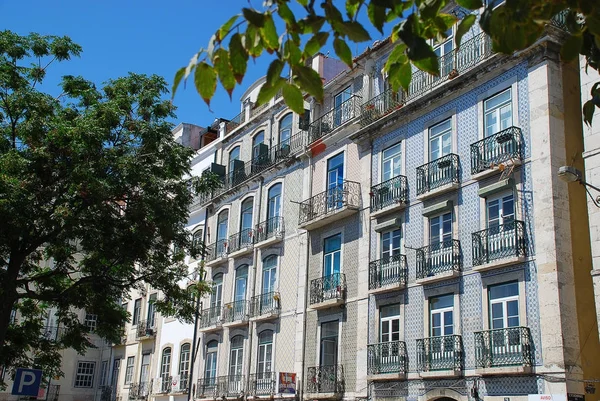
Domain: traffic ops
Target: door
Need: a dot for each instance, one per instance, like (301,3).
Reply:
(505,338)
(165,370)
(269,281)
(273,211)
(265,355)
(440,239)
(115,374)
(389,336)
(215,299)
(498,116)
(391,162)
(239,297)
(221,245)
(285,133)
(246,223)
(210,371)
(441,325)
(327,377)
(151,317)
(145,374)
(335,181)
(391,263)
(445,53)
(332,259)
(343,109)
(236,360)
(501,238)
(256,141)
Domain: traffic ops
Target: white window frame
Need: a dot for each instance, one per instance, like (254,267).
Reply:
(390,159)
(84,376)
(504,302)
(91,321)
(496,110)
(129,369)
(390,319)
(438,137)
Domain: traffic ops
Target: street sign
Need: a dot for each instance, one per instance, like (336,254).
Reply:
(27,382)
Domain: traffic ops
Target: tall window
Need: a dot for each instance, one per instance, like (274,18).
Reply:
(500,210)
(444,52)
(104,373)
(256,141)
(129,369)
(440,228)
(210,371)
(390,243)
(234,155)
(184,365)
(222,220)
(145,369)
(329,343)
(335,181)
(285,129)
(265,354)
(391,162)
(246,222)
(151,316)
(498,112)
(269,278)
(236,359)
(440,140)
(332,255)
(137,310)
(389,325)
(342,110)
(504,305)
(115,373)
(241,280)
(85,374)
(217,291)
(441,315)
(91,321)
(274,202)
(197,239)
(165,369)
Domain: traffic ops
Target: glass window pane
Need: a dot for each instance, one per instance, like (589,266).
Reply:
(390,310)
(504,290)
(444,301)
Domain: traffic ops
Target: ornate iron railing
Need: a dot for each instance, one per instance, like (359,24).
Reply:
(380,105)
(236,384)
(439,353)
(145,328)
(236,311)
(496,149)
(438,258)
(437,173)
(330,201)
(272,227)
(325,379)
(390,192)
(183,384)
(327,288)
(256,110)
(294,144)
(217,250)
(334,118)
(387,357)
(138,391)
(166,384)
(236,121)
(241,240)
(390,270)
(210,317)
(503,347)
(263,383)
(265,304)
(499,242)
(207,388)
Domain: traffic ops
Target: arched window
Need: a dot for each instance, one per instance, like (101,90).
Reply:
(241,280)
(184,365)
(246,222)
(265,354)
(165,370)
(234,154)
(197,239)
(258,140)
(269,275)
(221,245)
(217,291)
(274,202)
(210,371)
(285,129)
(236,359)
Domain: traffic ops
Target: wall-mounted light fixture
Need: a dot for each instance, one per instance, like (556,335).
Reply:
(571,174)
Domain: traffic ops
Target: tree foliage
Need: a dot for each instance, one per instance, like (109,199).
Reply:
(91,202)
(512,26)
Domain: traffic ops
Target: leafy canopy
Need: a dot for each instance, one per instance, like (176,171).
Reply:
(512,26)
(91,202)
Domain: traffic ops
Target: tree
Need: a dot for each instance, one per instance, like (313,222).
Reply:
(92,200)
(512,26)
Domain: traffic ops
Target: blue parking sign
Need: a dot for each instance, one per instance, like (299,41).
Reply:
(27,382)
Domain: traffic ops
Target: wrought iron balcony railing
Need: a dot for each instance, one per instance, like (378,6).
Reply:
(183,382)
(263,383)
(384,358)
(145,328)
(207,388)
(439,353)
(330,201)
(388,193)
(503,347)
(388,271)
(265,304)
(237,311)
(438,173)
(166,384)
(139,391)
(236,121)
(380,105)
(495,149)
(334,118)
(216,250)
(256,110)
(327,288)
(241,240)
(325,379)
(438,258)
(270,228)
(210,317)
(499,242)
(235,385)
(291,146)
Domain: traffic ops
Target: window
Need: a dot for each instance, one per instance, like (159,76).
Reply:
(116,370)
(335,181)
(129,369)
(236,358)
(145,370)
(137,310)
(389,325)
(210,371)
(184,365)
(343,111)
(285,130)
(91,321)
(441,321)
(269,278)
(104,373)
(498,113)
(222,220)
(241,280)
(390,243)
(197,239)
(329,343)
(265,354)
(217,291)
(85,374)
(440,229)
(391,162)
(234,155)
(332,255)
(246,223)
(500,210)
(165,369)
(504,305)
(256,142)
(440,140)
(151,315)
(444,52)
(274,202)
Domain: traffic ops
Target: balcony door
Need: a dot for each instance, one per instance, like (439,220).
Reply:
(151,315)
(440,240)
(343,111)
(390,251)
(389,335)
(239,296)
(440,140)
(269,282)
(144,374)
(265,356)
(215,298)
(165,370)
(236,363)
(221,245)
(445,52)
(273,211)
(441,324)
(391,162)
(285,133)
(504,320)
(335,182)
(210,370)
(246,223)
(332,265)
(498,113)
(256,141)
(500,224)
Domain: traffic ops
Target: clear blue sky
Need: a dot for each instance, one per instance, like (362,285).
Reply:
(151,37)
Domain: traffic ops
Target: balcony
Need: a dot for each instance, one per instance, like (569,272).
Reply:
(265,306)
(440,356)
(263,384)
(334,204)
(328,291)
(180,384)
(216,252)
(388,274)
(438,176)
(324,381)
(335,118)
(379,106)
(269,231)
(499,246)
(232,385)
(236,121)
(207,388)
(165,385)
(145,329)
(210,319)
(503,351)
(236,313)
(241,243)
(387,361)
(389,196)
(139,391)
(496,152)
(438,261)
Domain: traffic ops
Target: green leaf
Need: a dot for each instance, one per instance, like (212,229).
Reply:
(571,48)
(286,14)
(291,52)
(309,80)
(399,75)
(267,92)
(269,34)
(221,62)
(178,76)
(253,44)
(355,31)
(429,64)
(238,58)
(352,7)
(311,24)
(293,98)
(274,71)
(470,4)
(343,51)
(430,9)
(255,18)
(376,16)
(315,43)
(463,28)
(303,3)
(224,30)
(588,112)
(397,55)
(205,79)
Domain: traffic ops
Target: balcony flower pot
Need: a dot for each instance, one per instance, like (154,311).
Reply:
(453,74)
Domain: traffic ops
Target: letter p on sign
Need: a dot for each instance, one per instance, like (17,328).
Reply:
(27,382)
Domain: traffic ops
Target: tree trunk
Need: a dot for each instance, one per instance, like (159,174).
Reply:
(9,294)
